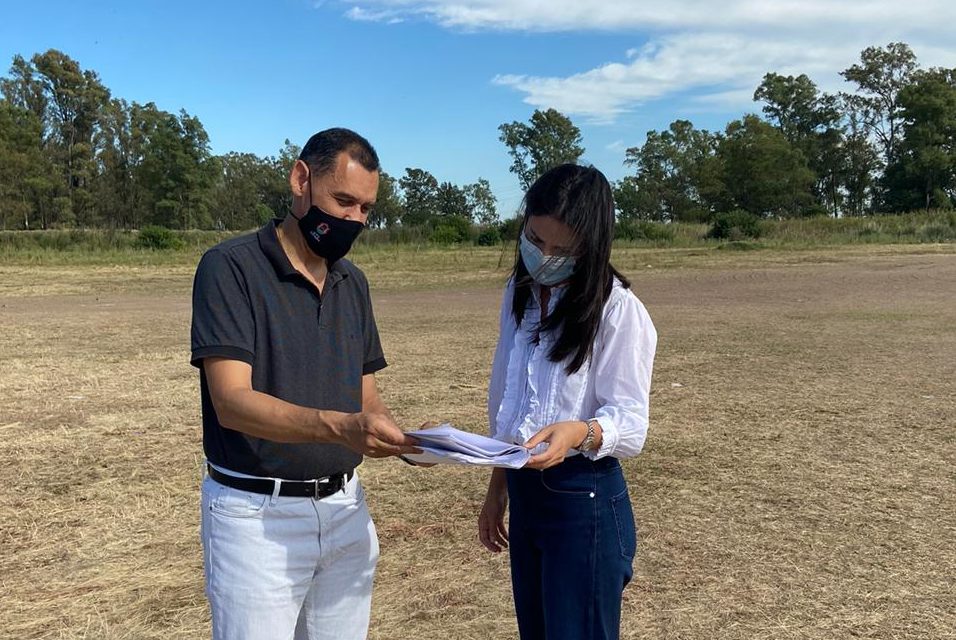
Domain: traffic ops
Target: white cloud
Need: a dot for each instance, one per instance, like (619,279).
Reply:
(617,146)
(715,63)
(618,15)
(704,55)
(363,15)
(727,100)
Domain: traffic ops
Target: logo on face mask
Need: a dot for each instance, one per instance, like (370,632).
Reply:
(320,231)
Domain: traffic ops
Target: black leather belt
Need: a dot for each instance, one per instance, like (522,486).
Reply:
(317,489)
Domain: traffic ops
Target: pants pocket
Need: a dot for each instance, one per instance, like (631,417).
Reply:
(560,481)
(234,503)
(626,529)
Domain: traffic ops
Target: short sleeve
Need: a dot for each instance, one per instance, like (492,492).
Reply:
(374,359)
(223,324)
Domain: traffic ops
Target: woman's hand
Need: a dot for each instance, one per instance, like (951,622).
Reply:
(561,437)
(491,520)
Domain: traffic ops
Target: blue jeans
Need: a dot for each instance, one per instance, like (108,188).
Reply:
(572,544)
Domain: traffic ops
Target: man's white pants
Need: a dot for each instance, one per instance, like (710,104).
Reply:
(282,568)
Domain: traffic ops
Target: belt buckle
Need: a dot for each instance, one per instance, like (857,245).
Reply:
(330,485)
(322,483)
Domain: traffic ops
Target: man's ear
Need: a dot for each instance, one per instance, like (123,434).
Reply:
(299,178)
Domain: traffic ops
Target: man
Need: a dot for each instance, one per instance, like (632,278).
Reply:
(287,348)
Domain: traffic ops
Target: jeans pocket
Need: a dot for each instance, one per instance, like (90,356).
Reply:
(237,504)
(626,529)
(558,481)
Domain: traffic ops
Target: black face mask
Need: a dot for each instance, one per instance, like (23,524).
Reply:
(327,236)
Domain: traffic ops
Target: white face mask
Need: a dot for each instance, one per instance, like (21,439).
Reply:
(546,270)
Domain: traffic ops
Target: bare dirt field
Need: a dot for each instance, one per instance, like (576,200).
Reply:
(799,479)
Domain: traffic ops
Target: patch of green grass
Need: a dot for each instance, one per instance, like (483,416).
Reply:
(919,227)
(105,247)
(396,249)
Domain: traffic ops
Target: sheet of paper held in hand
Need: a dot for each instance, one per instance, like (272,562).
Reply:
(445,444)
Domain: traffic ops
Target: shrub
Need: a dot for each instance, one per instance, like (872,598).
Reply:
(937,233)
(509,229)
(489,237)
(815,210)
(394,235)
(735,225)
(158,239)
(869,230)
(451,230)
(264,213)
(643,230)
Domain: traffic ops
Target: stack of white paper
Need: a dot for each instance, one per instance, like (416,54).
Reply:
(445,444)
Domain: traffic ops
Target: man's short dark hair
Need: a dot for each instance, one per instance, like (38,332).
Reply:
(324,147)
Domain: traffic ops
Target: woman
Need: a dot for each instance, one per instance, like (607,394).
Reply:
(570,380)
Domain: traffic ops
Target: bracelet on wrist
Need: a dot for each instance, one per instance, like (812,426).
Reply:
(588,443)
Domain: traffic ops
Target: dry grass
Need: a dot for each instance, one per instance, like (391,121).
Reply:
(798,481)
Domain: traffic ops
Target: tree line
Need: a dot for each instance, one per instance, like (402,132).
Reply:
(888,146)
(72,155)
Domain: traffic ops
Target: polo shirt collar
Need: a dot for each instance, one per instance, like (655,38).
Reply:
(269,243)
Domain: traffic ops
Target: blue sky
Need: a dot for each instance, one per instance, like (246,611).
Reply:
(429,81)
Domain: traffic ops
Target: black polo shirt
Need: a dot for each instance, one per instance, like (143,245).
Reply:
(250,304)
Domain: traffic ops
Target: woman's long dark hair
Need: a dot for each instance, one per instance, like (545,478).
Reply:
(581,198)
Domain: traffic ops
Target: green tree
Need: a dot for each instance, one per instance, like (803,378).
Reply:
(810,121)
(482,204)
(880,76)
(923,171)
(388,204)
(23,89)
(861,162)
(237,195)
(67,102)
(629,200)
(287,157)
(793,104)
(71,155)
(548,140)
(21,165)
(75,99)
(275,188)
(174,166)
(451,202)
(676,175)
(115,192)
(762,171)
(420,190)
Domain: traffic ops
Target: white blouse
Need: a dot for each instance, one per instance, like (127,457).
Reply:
(528,392)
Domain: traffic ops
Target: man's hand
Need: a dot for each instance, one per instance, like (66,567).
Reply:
(423,465)
(374,435)
(560,436)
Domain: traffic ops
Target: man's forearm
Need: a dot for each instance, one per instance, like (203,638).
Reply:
(264,416)
(377,405)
